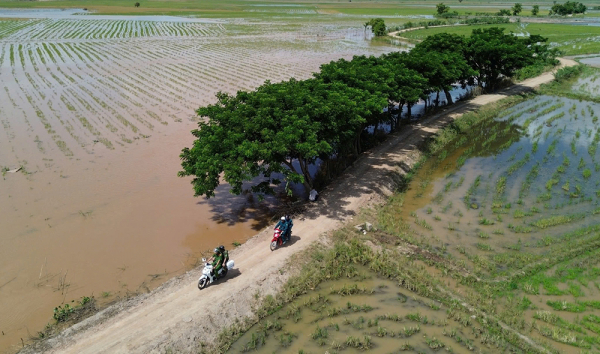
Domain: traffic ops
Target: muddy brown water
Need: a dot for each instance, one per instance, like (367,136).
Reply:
(96,113)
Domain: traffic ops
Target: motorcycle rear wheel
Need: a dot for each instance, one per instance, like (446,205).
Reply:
(273,245)
(202,283)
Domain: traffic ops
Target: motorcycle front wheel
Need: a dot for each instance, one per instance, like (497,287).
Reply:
(202,283)
(273,245)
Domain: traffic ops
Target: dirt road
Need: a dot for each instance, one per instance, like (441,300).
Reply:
(177,315)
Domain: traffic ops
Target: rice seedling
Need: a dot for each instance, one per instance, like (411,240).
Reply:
(434,343)
(483,246)
(319,333)
(517,165)
(520,229)
(407,332)
(551,183)
(423,223)
(446,207)
(448,186)
(587,173)
(552,147)
(500,185)
(485,221)
(355,342)
(556,220)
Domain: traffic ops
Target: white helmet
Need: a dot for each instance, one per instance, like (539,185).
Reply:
(282,218)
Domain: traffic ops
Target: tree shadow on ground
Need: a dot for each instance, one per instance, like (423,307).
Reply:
(230,209)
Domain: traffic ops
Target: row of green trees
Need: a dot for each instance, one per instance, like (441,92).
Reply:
(568,8)
(279,129)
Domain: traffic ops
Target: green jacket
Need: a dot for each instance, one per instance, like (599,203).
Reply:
(218,260)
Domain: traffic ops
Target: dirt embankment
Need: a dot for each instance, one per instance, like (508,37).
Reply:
(177,316)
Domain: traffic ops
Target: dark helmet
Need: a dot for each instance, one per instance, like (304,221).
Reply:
(221,248)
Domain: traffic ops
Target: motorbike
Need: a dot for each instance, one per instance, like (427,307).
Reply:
(277,240)
(207,273)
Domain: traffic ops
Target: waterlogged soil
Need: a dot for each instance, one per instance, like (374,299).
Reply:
(362,312)
(514,192)
(95,112)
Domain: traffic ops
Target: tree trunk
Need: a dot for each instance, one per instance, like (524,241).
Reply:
(306,185)
(408,111)
(305,172)
(391,119)
(437,98)
(448,97)
(399,116)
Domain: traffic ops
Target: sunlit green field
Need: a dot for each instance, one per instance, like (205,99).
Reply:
(237,8)
(570,39)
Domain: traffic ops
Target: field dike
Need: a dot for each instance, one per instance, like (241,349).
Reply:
(177,317)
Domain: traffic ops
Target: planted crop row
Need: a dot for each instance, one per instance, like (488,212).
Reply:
(51,29)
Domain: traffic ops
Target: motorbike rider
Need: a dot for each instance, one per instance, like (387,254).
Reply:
(225,255)
(288,228)
(218,259)
(282,225)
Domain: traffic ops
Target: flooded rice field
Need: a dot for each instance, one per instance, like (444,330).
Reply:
(515,203)
(94,112)
(520,182)
(362,312)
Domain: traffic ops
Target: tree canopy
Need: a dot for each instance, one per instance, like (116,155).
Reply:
(260,139)
(568,8)
(441,60)
(261,133)
(516,9)
(377,26)
(441,8)
(493,54)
